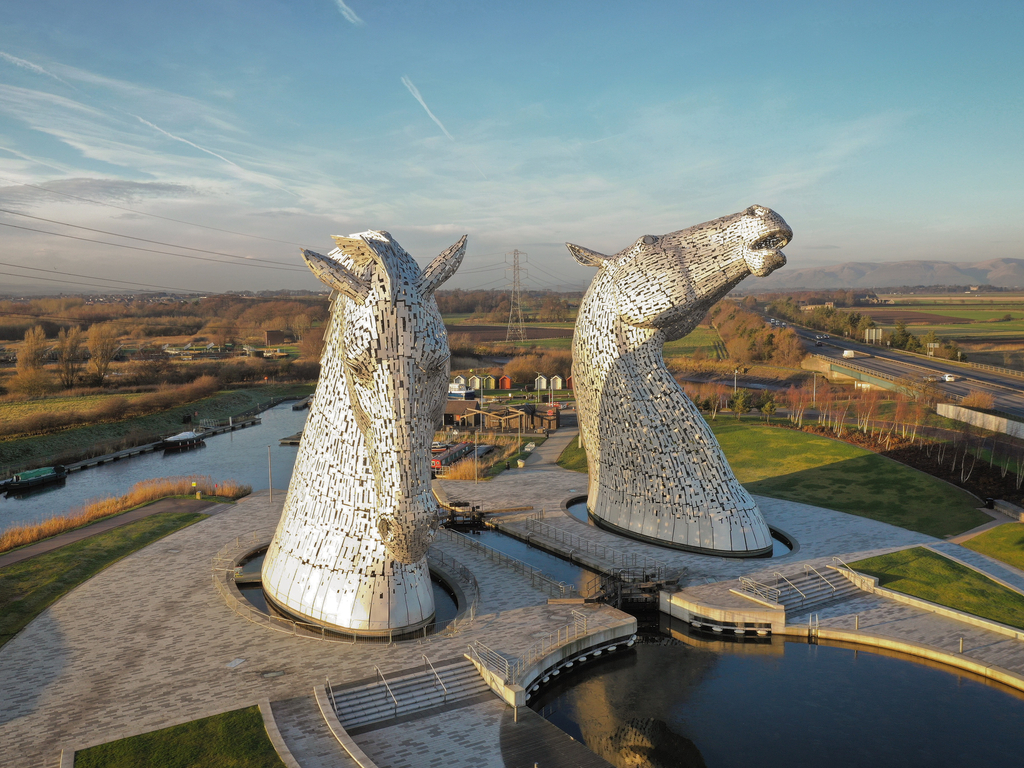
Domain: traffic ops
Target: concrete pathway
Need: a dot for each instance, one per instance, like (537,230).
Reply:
(1007,574)
(102,526)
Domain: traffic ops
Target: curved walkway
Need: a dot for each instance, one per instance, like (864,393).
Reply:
(108,524)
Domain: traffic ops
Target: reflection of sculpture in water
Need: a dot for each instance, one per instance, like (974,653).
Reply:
(647,743)
(349,551)
(656,469)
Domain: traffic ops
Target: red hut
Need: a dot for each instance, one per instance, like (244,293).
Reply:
(504,383)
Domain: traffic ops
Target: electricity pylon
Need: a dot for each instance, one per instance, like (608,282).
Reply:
(515,332)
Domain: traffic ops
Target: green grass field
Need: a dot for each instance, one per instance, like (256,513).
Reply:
(811,469)
(827,473)
(29,587)
(699,338)
(1004,542)
(11,411)
(235,739)
(573,457)
(80,439)
(930,576)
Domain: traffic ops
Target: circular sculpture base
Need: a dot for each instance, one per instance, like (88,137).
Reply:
(394,634)
(766,552)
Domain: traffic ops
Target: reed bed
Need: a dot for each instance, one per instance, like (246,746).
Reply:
(505,447)
(141,493)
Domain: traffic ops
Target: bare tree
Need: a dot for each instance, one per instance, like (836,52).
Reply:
(69,355)
(32,350)
(103,345)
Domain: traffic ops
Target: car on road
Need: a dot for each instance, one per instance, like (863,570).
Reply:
(929,378)
(818,344)
(948,377)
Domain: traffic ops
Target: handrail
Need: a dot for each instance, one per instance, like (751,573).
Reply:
(808,568)
(615,556)
(536,575)
(444,688)
(513,669)
(762,590)
(840,561)
(778,576)
(383,680)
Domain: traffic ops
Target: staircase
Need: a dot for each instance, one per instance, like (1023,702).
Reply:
(406,693)
(802,592)
(811,590)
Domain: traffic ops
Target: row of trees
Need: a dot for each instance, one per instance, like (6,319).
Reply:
(822,318)
(31,377)
(748,340)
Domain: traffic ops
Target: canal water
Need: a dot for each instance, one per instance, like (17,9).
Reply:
(240,455)
(681,700)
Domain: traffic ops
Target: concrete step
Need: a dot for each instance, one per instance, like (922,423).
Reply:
(413,692)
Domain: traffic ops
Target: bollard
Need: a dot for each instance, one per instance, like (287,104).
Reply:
(856,622)
(961,645)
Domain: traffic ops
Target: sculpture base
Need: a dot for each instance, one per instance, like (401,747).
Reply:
(766,552)
(392,633)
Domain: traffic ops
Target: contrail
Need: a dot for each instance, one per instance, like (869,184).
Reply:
(186,141)
(348,13)
(416,95)
(23,156)
(261,177)
(33,68)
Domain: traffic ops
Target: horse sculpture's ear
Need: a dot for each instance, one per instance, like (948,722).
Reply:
(442,267)
(587,257)
(332,273)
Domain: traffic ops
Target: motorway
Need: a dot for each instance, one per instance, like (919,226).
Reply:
(1007,390)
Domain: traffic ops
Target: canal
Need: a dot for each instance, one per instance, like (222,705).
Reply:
(240,455)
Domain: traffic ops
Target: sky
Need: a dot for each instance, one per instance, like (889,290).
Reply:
(233,132)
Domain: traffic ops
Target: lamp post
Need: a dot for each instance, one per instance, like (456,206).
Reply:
(270,476)
(734,374)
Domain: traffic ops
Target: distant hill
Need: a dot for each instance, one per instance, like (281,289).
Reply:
(1003,273)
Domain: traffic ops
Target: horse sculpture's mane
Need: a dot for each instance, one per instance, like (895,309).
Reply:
(359,514)
(656,469)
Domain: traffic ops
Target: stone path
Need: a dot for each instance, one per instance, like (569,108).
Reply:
(164,505)
(306,733)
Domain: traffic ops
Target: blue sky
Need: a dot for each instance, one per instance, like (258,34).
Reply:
(879,131)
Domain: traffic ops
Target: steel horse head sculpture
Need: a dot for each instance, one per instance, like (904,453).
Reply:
(656,470)
(350,549)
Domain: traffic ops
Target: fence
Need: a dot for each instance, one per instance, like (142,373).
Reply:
(617,558)
(513,668)
(537,577)
(223,578)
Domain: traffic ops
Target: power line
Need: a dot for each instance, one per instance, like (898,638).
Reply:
(93,277)
(147,250)
(143,213)
(140,239)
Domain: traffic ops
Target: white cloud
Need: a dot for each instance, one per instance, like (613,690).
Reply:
(21,63)
(348,13)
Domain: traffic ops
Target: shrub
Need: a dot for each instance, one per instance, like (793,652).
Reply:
(141,493)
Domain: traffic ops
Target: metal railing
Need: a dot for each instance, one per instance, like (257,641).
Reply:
(771,594)
(437,677)
(513,669)
(537,577)
(388,687)
(616,557)
(808,569)
(839,561)
(223,577)
(779,577)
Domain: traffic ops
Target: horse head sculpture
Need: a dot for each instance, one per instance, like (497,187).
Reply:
(360,513)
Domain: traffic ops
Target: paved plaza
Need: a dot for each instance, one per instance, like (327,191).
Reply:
(150,642)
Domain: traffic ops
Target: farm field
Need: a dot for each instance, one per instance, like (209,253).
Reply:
(10,411)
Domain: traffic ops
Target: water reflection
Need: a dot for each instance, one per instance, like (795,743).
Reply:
(239,455)
(682,699)
(551,565)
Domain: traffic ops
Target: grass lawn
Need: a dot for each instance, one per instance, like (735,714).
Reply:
(13,411)
(827,473)
(1004,542)
(46,448)
(573,457)
(930,576)
(230,740)
(28,587)
(699,338)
